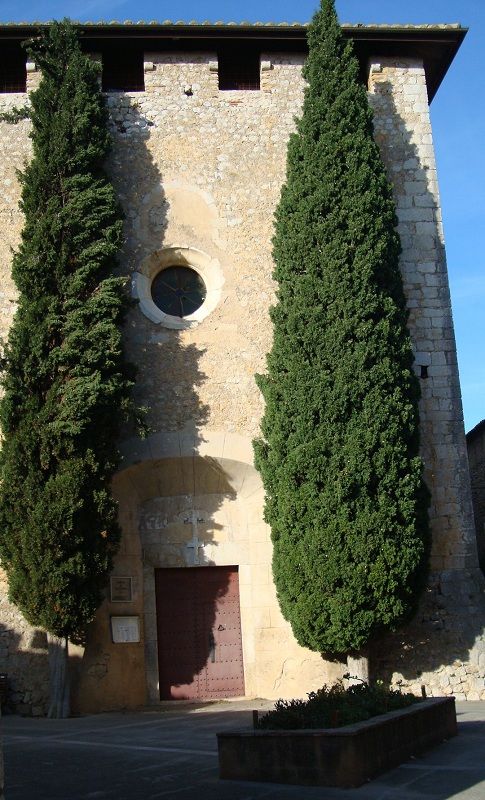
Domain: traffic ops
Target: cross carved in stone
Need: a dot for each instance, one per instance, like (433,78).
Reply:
(194,543)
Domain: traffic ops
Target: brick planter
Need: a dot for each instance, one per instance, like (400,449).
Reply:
(345,757)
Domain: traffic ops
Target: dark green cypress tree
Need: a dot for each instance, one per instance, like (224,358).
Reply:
(345,496)
(66,382)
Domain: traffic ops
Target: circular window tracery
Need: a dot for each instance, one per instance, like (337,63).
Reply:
(177,287)
(178,291)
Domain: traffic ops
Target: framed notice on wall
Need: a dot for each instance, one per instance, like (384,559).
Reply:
(125,629)
(121,589)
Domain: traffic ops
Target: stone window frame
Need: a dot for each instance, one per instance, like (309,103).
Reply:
(177,255)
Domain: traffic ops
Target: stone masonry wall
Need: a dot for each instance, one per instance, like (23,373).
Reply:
(23,650)
(443,648)
(475,440)
(201,168)
(23,656)
(205,171)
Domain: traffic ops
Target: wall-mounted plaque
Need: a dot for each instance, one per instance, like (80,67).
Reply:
(125,629)
(121,589)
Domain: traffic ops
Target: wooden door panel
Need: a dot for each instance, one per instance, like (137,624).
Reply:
(199,632)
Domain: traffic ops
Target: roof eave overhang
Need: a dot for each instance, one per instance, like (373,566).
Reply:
(435,46)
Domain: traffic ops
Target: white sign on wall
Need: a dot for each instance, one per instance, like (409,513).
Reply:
(125,629)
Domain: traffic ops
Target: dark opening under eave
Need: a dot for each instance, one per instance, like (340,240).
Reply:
(436,45)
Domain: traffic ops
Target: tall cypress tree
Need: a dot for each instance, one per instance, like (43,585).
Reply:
(65,378)
(338,456)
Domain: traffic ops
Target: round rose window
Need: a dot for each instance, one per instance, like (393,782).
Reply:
(178,291)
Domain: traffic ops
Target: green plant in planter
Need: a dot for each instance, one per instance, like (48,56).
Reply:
(336,706)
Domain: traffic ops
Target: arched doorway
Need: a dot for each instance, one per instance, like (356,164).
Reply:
(194,504)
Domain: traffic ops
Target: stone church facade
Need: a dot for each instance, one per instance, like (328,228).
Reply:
(200,116)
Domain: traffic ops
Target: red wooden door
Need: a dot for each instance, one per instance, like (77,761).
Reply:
(199,633)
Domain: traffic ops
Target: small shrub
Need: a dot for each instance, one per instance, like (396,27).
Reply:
(14,115)
(336,706)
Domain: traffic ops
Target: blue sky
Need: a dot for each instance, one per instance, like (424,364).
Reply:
(458,116)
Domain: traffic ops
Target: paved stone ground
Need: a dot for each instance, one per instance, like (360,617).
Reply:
(171,753)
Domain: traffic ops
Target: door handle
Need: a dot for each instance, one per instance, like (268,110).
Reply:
(212,646)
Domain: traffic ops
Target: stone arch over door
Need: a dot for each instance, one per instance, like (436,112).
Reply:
(192,503)
(193,500)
